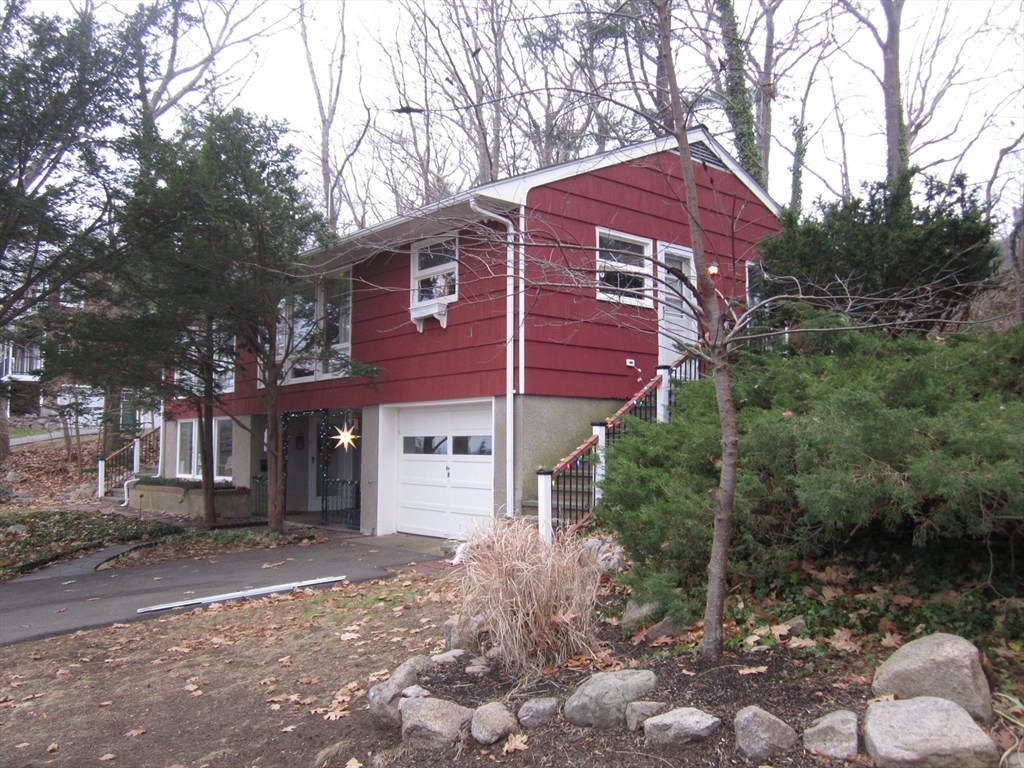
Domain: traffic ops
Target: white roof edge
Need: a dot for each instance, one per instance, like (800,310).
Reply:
(514,191)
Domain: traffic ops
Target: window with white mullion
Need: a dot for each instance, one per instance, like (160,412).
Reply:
(336,311)
(188,452)
(435,272)
(624,269)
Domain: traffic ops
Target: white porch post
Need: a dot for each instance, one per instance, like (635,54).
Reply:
(136,455)
(101,478)
(664,388)
(601,432)
(544,505)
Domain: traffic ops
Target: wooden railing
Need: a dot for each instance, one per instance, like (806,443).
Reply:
(568,493)
(120,466)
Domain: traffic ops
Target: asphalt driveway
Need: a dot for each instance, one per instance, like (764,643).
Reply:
(74,595)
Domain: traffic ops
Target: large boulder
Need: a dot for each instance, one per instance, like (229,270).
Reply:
(760,734)
(538,712)
(834,735)
(941,665)
(601,701)
(384,697)
(637,712)
(637,614)
(926,732)
(491,722)
(432,723)
(680,726)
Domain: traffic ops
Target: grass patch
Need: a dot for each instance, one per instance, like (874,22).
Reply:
(29,431)
(55,535)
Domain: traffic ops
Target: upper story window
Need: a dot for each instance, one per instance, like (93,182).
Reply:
(435,271)
(337,319)
(310,331)
(435,280)
(624,269)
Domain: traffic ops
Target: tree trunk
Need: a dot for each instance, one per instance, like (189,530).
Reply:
(275,463)
(5,431)
(206,446)
(717,348)
(110,439)
(897,160)
(738,106)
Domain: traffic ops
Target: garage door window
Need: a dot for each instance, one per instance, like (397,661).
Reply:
(472,445)
(427,444)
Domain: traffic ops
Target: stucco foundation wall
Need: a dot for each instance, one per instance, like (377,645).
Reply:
(168,447)
(547,430)
(369,452)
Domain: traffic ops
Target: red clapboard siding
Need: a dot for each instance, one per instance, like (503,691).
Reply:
(576,344)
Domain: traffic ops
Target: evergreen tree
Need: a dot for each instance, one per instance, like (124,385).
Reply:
(887,258)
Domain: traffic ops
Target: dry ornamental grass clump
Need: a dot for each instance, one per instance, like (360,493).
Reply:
(537,600)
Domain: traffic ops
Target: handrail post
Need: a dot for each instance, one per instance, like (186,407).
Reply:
(136,455)
(101,478)
(544,505)
(664,389)
(601,433)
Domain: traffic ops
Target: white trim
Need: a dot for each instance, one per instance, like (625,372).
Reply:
(642,298)
(435,306)
(513,192)
(665,252)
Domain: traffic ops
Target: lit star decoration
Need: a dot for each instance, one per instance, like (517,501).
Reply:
(345,438)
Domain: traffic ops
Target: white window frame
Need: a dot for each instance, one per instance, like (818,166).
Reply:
(641,298)
(197,472)
(449,267)
(320,368)
(344,345)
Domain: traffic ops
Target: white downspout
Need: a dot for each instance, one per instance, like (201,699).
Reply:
(522,299)
(510,329)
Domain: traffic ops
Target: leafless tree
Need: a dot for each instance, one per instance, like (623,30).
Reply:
(334,162)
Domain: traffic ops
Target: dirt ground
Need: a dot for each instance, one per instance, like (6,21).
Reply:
(282,681)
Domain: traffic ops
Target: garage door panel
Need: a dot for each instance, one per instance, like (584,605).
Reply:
(442,494)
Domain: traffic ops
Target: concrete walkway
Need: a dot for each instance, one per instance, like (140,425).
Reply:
(74,595)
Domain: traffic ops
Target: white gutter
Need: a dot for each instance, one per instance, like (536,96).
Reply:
(510,329)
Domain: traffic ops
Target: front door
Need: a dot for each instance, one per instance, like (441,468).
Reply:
(676,321)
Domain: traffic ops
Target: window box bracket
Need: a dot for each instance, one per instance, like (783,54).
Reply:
(436,309)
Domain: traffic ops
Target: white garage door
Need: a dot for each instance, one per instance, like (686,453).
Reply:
(445,469)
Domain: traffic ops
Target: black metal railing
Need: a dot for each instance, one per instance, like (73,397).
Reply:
(258,496)
(341,503)
(684,369)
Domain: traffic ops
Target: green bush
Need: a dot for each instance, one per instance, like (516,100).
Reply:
(912,441)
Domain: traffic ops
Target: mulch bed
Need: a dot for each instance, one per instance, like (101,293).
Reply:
(798,690)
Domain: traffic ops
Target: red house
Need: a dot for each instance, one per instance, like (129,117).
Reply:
(504,320)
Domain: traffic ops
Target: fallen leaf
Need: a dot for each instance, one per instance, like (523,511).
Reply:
(662,640)
(105,703)
(902,600)
(753,670)
(353,763)
(842,640)
(272,565)
(52,748)
(779,631)
(108,756)
(288,728)
(801,642)
(829,593)
(892,640)
(515,742)
(135,732)
(21,746)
